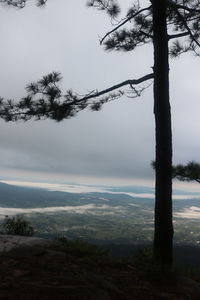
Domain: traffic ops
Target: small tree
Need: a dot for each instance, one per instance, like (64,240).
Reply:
(17,226)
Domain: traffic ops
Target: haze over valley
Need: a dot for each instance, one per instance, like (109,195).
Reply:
(99,213)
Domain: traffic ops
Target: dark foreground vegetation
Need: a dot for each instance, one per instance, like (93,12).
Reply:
(77,270)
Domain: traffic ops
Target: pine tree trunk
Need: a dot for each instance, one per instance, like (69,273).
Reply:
(163,234)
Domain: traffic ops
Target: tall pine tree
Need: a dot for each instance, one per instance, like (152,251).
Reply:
(161,23)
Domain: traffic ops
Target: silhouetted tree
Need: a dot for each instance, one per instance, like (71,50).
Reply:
(159,23)
(189,172)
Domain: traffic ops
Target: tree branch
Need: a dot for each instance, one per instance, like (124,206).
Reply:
(16,3)
(187,27)
(124,22)
(177,6)
(178,35)
(45,99)
(21,3)
(189,172)
(146,34)
(117,86)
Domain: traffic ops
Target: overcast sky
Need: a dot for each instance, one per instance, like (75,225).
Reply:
(114,145)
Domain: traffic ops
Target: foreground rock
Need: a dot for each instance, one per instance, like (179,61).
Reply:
(10,242)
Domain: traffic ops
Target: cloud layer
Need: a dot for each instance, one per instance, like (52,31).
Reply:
(115,142)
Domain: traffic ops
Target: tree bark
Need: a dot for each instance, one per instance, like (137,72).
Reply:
(163,233)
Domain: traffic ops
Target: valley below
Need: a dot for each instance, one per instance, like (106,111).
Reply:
(119,215)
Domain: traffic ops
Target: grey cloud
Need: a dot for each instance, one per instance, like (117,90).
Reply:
(117,141)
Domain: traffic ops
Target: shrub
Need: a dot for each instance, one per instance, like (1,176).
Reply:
(17,226)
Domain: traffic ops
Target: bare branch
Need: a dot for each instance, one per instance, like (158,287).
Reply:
(129,82)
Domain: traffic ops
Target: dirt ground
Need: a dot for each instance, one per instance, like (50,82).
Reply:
(46,273)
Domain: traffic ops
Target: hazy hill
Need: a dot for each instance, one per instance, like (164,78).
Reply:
(23,197)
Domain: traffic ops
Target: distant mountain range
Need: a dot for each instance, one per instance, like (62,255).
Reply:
(26,197)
